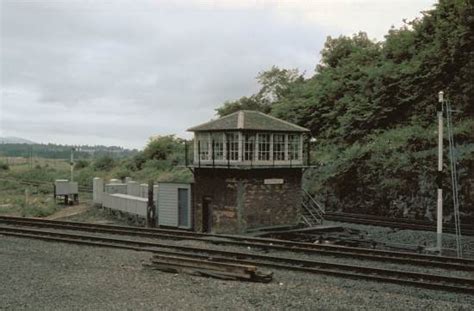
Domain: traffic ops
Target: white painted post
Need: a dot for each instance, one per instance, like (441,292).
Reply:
(240,152)
(224,149)
(439,217)
(271,147)
(256,149)
(195,143)
(300,150)
(98,190)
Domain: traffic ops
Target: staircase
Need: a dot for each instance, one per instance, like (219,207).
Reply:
(312,213)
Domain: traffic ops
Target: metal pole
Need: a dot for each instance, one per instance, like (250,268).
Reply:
(151,210)
(439,217)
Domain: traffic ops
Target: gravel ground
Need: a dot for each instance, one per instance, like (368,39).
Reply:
(38,275)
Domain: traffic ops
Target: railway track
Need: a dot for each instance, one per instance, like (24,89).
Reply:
(254,243)
(432,281)
(391,222)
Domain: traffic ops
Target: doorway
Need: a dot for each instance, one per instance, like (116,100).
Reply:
(183,208)
(206,214)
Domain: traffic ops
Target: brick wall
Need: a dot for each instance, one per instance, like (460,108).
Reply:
(241,200)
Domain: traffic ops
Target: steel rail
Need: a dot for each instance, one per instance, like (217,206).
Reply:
(431,281)
(261,243)
(389,222)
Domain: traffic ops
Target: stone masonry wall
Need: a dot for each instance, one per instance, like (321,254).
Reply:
(240,200)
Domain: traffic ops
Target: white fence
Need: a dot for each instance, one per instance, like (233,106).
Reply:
(172,200)
(129,197)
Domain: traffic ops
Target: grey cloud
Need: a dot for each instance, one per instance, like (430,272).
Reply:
(140,70)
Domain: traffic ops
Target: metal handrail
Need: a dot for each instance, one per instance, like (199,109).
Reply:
(315,202)
(316,209)
(309,210)
(316,218)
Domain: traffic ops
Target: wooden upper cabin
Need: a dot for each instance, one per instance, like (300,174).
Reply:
(248,138)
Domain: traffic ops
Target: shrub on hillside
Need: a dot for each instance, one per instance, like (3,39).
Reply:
(105,163)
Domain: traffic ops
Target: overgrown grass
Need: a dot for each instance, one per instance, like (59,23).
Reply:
(34,210)
(40,202)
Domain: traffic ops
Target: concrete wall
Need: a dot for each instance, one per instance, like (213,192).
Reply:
(125,203)
(115,188)
(133,188)
(245,199)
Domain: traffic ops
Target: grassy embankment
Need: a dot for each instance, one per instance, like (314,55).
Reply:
(159,162)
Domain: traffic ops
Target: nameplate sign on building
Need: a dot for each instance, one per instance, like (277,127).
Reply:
(273,181)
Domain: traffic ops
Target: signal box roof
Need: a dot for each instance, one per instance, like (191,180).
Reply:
(248,120)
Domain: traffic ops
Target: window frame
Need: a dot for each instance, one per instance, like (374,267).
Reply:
(232,146)
(264,147)
(294,147)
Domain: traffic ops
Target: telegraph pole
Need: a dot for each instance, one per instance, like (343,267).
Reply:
(439,177)
(72,164)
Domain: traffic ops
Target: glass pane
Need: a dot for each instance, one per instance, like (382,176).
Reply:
(263,147)
(278,147)
(249,147)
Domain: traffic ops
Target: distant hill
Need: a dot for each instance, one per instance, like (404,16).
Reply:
(26,148)
(15,140)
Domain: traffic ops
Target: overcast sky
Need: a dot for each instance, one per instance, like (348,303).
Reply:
(116,72)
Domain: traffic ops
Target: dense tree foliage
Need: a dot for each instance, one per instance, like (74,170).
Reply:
(372,108)
(163,159)
(274,85)
(104,163)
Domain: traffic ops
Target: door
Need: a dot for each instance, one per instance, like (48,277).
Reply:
(183,208)
(206,214)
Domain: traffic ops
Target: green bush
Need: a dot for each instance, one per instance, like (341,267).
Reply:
(104,163)
(85,176)
(121,173)
(4,166)
(80,164)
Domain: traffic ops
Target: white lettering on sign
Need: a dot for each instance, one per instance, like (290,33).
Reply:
(273,181)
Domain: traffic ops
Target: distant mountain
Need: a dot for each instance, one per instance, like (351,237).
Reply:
(15,140)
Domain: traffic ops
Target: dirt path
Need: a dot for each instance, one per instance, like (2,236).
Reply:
(69,211)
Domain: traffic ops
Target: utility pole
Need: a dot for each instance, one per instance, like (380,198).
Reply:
(72,164)
(439,177)
(150,208)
